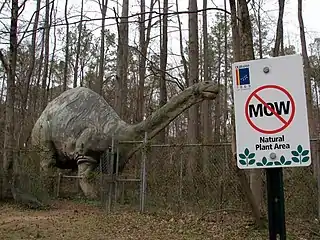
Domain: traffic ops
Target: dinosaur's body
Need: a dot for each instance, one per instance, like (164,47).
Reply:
(78,120)
(77,126)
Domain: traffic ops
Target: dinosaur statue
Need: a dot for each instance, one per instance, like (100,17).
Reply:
(77,127)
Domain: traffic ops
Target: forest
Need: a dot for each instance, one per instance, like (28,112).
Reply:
(141,57)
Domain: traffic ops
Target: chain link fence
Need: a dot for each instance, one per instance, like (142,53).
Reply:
(214,183)
(26,177)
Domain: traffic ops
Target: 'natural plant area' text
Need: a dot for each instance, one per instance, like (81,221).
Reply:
(272,143)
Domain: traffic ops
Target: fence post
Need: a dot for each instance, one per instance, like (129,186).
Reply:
(181,178)
(223,177)
(116,176)
(101,180)
(111,161)
(58,184)
(143,183)
(317,160)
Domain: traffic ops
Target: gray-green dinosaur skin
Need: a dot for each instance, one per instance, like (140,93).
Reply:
(77,126)
(77,123)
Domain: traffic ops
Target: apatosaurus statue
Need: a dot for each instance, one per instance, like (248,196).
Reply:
(77,127)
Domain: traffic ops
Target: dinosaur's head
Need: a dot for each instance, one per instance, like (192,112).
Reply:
(206,90)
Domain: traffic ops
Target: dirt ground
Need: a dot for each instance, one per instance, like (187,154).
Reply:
(80,221)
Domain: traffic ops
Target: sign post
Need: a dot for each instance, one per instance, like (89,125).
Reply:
(276,211)
(271,125)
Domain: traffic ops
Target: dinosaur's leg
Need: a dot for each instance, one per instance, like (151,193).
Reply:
(86,163)
(85,168)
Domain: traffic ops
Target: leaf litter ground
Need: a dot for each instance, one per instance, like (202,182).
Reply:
(81,221)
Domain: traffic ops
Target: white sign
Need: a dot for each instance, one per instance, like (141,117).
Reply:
(271,113)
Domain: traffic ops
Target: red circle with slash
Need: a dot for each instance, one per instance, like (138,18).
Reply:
(284,123)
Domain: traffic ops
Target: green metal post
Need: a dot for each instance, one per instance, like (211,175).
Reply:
(276,210)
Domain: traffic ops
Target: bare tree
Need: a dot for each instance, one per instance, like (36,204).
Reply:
(163,63)
(279,34)
(122,59)
(66,59)
(142,62)
(247,53)
(10,116)
(246,44)
(103,8)
(225,98)
(217,109)
(30,70)
(257,15)
(39,72)
(144,40)
(235,31)
(53,56)
(306,66)
(193,121)
(206,104)
(46,55)
(307,71)
(184,60)
(75,74)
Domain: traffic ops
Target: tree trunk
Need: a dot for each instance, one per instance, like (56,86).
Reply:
(122,59)
(30,70)
(193,112)
(225,98)
(307,73)
(184,61)
(246,32)
(98,85)
(9,140)
(52,61)
(75,74)
(38,78)
(206,106)
(217,109)
(247,54)
(142,63)
(144,39)
(259,31)
(66,58)
(279,35)
(46,55)
(307,68)
(163,64)
(235,31)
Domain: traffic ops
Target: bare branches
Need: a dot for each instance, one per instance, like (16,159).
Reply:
(116,17)
(29,23)
(153,69)
(130,16)
(23,4)
(22,7)
(2,6)
(5,26)
(6,65)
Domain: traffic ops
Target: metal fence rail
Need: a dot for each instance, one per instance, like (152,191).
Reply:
(167,184)
(157,177)
(112,180)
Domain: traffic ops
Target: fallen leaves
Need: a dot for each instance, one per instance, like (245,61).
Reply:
(70,220)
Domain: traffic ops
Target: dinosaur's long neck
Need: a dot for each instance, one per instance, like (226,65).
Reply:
(166,114)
